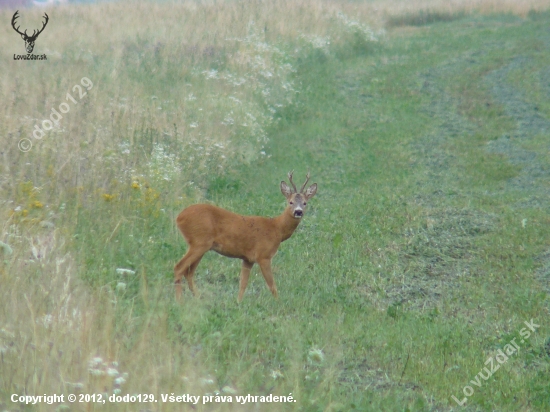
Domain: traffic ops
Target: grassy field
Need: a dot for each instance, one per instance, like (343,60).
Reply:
(417,265)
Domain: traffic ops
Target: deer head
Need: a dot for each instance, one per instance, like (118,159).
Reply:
(297,200)
(29,40)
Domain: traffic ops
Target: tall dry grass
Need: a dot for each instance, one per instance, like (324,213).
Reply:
(187,85)
(58,337)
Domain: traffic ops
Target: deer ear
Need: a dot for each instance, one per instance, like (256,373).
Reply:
(285,190)
(310,192)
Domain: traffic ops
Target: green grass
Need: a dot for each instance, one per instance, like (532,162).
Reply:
(417,260)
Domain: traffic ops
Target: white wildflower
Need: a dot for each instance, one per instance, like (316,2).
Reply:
(356,27)
(227,121)
(95,362)
(112,372)
(276,374)
(210,74)
(207,381)
(119,381)
(122,271)
(229,390)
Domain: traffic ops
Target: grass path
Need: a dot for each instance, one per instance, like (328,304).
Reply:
(415,262)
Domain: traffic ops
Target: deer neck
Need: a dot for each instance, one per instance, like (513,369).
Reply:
(287,224)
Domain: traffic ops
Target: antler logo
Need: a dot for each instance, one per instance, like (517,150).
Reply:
(29,40)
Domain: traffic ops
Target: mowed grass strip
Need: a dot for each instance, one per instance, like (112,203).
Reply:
(419,257)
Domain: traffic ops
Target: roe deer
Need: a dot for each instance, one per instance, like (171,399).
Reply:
(253,239)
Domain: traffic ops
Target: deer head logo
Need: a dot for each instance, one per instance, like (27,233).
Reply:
(29,40)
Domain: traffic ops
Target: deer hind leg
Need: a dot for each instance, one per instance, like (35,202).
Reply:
(186,267)
(265,266)
(245,273)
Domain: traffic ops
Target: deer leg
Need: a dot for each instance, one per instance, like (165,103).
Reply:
(189,276)
(186,267)
(245,273)
(265,266)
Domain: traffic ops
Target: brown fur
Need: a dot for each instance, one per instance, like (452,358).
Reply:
(254,239)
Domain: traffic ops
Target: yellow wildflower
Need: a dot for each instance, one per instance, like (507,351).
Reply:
(151,195)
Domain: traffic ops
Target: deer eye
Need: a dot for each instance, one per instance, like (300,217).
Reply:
(305,203)
(291,203)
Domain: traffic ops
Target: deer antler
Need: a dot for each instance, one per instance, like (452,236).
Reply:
(291,182)
(34,33)
(15,16)
(305,183)
(34,36)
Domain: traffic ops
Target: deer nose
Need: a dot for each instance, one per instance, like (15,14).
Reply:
(298,213)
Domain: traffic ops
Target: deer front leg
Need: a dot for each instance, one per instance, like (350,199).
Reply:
(265,266)
(245,273)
